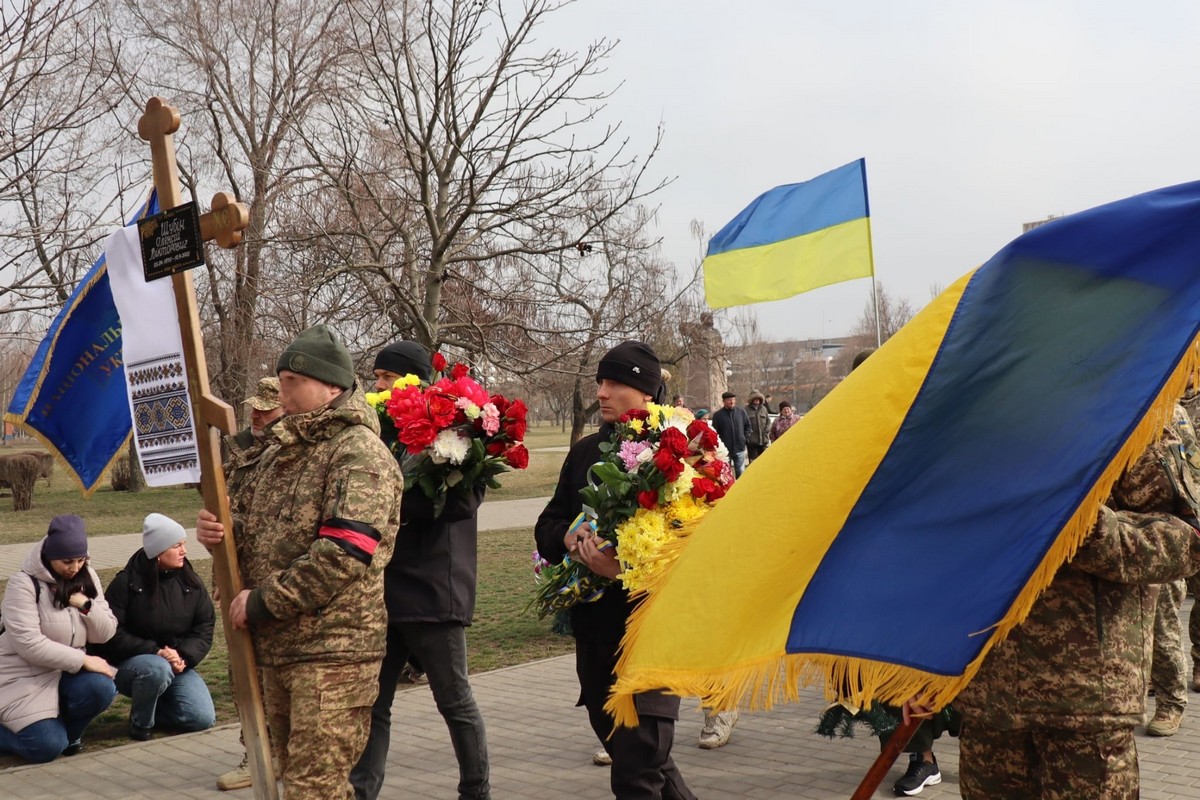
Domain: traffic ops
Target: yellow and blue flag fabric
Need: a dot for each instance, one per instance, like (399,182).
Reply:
(793,239)
(909,521)
(73,397)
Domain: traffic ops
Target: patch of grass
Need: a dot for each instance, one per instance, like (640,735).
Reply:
(106,512)
(540,477)
(503,634)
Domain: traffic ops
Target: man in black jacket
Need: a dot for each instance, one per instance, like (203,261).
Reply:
(733,426)
(628,376)
(429,589)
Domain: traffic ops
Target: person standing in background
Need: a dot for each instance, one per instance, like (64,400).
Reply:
(733,426)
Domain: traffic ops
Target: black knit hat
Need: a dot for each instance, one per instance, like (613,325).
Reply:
(406,358)
(634,364)
(861,357)
(65,539)
(318,354)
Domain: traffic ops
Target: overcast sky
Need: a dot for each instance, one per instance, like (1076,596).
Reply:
(973,116)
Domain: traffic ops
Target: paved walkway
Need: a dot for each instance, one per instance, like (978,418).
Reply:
(540,750)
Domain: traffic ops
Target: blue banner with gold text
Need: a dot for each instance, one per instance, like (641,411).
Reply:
(73,396)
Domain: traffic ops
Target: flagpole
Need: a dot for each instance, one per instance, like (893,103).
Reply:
(875,302)
(891,751)
(871,256)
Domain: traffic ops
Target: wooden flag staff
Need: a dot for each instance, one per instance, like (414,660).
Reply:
(213,417)
(891,751)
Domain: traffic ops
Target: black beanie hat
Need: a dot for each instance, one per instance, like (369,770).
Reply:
(634,364)
(406,358)
(318,354)
(65,539)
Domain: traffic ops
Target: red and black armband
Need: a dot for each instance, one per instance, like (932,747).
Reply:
(358,539)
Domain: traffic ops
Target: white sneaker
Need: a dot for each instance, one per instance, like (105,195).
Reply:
(717,729)
(601,758)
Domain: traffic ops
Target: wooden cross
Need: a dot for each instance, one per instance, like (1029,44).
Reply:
(213,417)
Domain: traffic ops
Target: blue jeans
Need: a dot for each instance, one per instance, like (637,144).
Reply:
(441,647)
(178,701)
(81,698)
(738,462)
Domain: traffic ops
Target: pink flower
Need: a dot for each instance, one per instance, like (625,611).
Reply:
(629,454)
(491,419)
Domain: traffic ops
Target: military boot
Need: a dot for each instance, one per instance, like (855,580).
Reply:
(237,778)
(1196,676)
(1165,723)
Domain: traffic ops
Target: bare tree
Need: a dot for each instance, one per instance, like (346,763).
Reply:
(248,76)
(474,172)
(622,289)
(61,174)
(894,314)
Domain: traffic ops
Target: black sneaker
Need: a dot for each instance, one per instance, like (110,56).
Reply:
(921,773)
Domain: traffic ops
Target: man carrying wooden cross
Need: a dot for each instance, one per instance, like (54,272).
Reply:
(315,513)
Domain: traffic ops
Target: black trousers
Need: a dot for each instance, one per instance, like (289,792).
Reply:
(642,767)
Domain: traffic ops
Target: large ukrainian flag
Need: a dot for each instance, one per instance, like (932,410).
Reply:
(908,523)
(793,239)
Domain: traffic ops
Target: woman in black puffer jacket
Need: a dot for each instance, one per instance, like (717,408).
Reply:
(164,630)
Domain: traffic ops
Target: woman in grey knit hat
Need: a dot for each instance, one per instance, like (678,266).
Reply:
(164,630)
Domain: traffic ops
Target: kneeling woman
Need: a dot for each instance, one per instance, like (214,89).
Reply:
(164,629)
(50,689)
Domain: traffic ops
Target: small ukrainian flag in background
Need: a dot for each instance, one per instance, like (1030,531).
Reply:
(792,239)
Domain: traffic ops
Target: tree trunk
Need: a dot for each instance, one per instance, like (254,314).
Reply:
(578,415)
(137,481)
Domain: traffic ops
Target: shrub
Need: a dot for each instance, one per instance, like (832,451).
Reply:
(19,471)
(119,474)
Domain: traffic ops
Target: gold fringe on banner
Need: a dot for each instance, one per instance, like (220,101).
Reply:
(762,683)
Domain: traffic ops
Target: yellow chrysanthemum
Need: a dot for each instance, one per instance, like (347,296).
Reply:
(639,541)
(686,509)
(658,415)
(378,399)
(637,425)
(405,381)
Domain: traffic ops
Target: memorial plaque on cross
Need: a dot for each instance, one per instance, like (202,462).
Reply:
(223,224)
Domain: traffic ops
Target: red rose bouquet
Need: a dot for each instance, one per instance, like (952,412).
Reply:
(451,435)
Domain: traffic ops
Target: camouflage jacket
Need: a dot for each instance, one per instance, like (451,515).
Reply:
(1081,659)
(315,512)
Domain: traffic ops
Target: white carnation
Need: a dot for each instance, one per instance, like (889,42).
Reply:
(450,446)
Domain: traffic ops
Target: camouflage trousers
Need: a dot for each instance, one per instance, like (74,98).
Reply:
(1193,584)
(318,718)
(1168,673)
(1048,764)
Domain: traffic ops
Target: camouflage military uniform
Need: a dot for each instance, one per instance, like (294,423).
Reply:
(1191,405)
(315,511)
(1052,709)
(1168,673)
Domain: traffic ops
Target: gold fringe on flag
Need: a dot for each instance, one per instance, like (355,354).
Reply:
(762,683)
